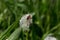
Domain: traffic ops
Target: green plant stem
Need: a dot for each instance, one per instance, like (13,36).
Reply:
(55,27)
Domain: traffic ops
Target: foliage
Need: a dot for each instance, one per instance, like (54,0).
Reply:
(45,21)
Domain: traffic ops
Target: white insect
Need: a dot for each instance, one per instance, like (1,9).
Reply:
(25,21)
(49,37)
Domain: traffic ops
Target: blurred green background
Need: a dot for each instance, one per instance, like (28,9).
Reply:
(46,19)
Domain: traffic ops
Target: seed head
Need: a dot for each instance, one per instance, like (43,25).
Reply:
(50,37)
(25,21)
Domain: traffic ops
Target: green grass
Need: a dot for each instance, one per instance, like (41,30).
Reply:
(45,21)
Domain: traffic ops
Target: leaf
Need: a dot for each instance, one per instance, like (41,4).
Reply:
(15,34)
